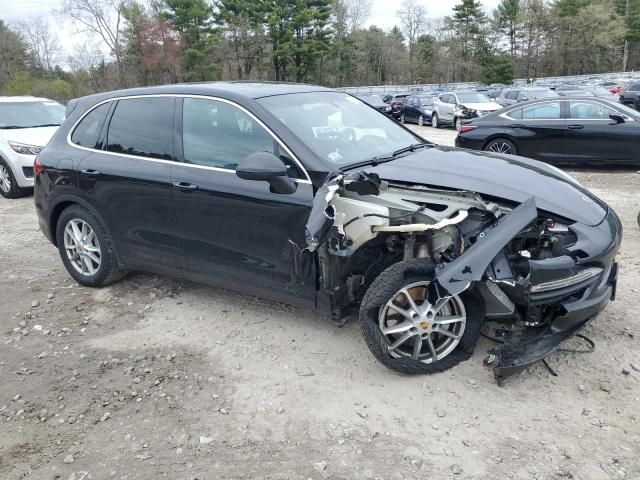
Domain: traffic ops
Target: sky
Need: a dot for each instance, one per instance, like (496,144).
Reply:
(383,14)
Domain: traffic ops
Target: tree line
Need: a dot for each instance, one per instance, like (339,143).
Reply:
(134,42)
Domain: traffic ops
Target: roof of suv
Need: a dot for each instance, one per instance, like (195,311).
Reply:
(244,89)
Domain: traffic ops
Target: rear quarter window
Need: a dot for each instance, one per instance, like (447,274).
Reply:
(87,132)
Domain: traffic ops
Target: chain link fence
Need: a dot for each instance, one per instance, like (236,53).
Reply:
(578,79)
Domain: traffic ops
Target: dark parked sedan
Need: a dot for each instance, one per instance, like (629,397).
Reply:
(307,195)
(417,109)
(376,102)
(568,130)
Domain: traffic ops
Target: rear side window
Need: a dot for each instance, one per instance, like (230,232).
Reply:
(142,127)
(635,88)
(511,95)
(546,111)
(87,133)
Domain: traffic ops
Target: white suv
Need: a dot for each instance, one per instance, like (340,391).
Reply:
(26,125)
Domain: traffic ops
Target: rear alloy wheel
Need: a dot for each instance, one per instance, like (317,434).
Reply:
(421,121)
(457,123)
(501,145)
(434,121)
(85,248)
(8,186)
(410,331)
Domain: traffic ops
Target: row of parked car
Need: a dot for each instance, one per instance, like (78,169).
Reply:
(568,124)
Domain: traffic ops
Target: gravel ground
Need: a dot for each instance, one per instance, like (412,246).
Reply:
(159,378)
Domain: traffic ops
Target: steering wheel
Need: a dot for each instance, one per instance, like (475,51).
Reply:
(347,135)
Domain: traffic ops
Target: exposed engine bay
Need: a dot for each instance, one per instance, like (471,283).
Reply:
(524,265)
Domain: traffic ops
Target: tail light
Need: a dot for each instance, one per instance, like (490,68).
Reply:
(37,166)
(467,128)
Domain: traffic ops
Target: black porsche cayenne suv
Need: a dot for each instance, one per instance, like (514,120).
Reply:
(309,196)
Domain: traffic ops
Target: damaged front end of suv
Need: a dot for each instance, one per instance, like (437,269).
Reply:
(431,266)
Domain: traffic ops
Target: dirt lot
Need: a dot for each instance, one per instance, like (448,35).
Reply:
(159,378)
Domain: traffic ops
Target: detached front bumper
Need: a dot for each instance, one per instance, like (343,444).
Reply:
(574,305)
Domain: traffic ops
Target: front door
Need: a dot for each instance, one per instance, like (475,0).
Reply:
(237,233)
(593,137)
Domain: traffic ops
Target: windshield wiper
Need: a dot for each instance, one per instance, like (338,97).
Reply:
(12,127)
(378,160)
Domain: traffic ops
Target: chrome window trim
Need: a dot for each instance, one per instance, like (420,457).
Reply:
(307,178)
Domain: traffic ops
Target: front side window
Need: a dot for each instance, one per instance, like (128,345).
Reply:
(217,134)
(511,95)
(589,111)
(635,88)
(337,127)
(87,132)
(142,127)
(546,111)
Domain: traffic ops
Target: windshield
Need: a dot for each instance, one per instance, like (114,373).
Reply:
(30,114)
(338,127)
(426,101)
(473,98)
(533,94)
(628,111)
(371,98)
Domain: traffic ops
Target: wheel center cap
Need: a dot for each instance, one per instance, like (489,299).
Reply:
(424,325)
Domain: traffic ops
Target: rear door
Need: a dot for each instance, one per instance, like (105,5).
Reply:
(539,130)
(592,137)
(127,179)
(235,232)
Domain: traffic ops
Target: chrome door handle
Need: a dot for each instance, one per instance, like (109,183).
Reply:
(91,171)
(185,186)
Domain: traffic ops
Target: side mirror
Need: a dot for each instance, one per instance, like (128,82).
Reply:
(266,167)
(616,117)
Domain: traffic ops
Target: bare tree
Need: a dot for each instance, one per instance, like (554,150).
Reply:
(413,21)
(358,11)
(102,18)
(42,42)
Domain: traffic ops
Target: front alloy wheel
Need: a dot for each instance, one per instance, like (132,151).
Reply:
(5,179)
(402,119)
(421,121)
(410,329)
(434,121)
(8,186)
(415,328)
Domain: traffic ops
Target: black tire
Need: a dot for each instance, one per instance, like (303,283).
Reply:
(14,190)
(503,144)
(402,119)
(421,121)
(384,287)
(108,271)
(435,121)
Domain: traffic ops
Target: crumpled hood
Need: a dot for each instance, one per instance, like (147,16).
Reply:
(502,176)
(38,137)
(485,107)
